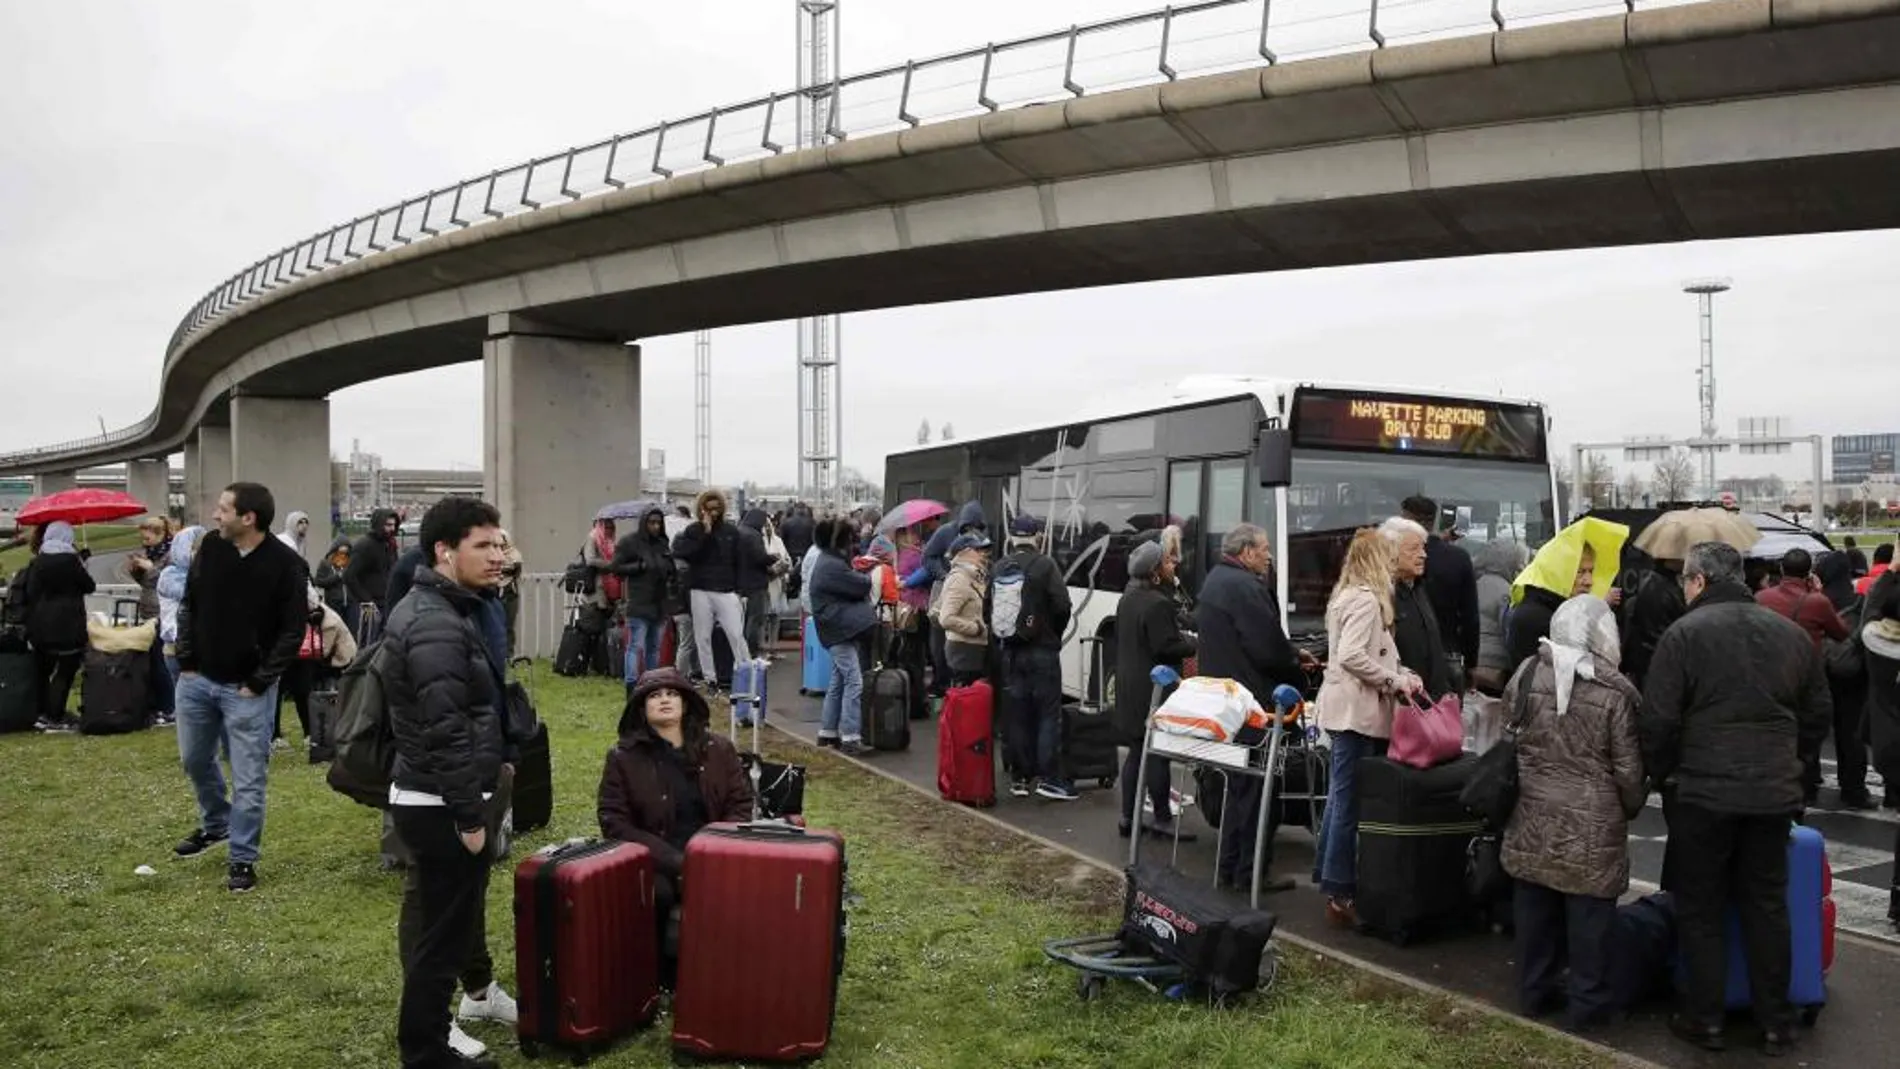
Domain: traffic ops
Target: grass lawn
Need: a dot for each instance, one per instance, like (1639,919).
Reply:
(103,538)
(106,968)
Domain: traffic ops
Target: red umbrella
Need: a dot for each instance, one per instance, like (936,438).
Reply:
(82,505)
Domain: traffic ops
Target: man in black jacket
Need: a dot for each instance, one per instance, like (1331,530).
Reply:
(757,569)
(644,559)
(1241,638)
(239,626)
(1735,693)
(448,789)
(711,551)
(366,577)
(1451,584)
(1032,662)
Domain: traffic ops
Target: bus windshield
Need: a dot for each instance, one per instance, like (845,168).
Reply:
(1335,493)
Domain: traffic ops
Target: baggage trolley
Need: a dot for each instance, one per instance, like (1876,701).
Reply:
(1100,958)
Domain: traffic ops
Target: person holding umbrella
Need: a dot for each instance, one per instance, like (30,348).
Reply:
(52,595)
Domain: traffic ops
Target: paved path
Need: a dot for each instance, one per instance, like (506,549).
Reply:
(1861,1027)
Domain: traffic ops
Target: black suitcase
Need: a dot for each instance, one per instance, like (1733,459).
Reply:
(115,692)
(1088,748)
(534,783)
(19,688)
(1413,839)
(322,726)
(575,652)
(887,709)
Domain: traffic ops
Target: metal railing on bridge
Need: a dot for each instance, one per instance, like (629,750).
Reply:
(1208,37)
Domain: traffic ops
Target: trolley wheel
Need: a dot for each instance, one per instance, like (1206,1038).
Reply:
(580,1056)
(1105,782)
(1089,986)
(530,1049)
(1809,1015)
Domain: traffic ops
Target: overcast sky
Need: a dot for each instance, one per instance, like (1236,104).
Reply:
(152,149)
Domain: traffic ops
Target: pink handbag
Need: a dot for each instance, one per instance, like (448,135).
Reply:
(1424,736)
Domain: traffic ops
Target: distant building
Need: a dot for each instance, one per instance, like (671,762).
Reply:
(1858,457)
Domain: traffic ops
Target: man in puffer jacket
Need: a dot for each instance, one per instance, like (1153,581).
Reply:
(448,789)
(712,551)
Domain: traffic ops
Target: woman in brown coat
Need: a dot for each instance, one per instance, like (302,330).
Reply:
(670,775)
(1580,782)
(1355,702)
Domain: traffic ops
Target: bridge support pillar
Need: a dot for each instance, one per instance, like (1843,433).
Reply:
(207,472)
(560,433)
(284,443)
(52,482)
(151,482)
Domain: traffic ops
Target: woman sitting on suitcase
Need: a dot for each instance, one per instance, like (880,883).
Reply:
(1580,781)
(668,777)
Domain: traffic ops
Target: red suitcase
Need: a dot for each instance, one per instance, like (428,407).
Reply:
(761,942)
(966,741)
(586,953)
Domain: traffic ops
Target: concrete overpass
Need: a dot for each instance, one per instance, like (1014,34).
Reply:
(1728,118)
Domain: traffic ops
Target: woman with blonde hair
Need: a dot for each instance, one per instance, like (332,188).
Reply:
(1363,679)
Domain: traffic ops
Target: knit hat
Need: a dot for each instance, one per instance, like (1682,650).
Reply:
(1145,560)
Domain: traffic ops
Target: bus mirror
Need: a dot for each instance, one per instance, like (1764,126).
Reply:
(1273,457)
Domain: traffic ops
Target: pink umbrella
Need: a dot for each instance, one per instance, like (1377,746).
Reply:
(911,513)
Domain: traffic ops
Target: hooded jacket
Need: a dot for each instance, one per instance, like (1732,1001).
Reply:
(636,801)
(1735,695)
(445,697)
(372,559)
(840,600)
(289,536)
(797,532)
(1147,633)
(754,572)
(1496,564)
(1647,617)
(645,564)
(329,578)
(54,590)
(711,557)
(936,562)
(172,579)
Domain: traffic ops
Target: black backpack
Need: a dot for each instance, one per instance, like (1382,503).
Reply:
(365,744)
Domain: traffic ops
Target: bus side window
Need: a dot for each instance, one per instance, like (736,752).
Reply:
(1226,501)
(1184,507)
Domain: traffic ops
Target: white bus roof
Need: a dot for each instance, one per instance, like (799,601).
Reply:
(1202,389)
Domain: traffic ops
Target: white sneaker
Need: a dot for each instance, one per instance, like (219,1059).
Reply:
(464,1044)
(494,1005)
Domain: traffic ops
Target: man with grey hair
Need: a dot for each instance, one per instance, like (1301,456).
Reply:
(1414,622)
(1735,693)
(1241,638)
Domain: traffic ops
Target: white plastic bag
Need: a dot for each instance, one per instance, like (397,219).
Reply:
(1484,721)
(1209,707)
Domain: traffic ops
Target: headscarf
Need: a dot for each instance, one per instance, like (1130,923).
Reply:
(58,540)
(157,552)
(1555,566)
(289,536)
(1503,558)
(171,581)
(609,582)
(1582,632)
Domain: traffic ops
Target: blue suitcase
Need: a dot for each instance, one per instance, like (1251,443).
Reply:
(748,692)
(816,676)
(1811,917)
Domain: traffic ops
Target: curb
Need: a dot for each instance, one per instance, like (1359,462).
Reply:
(1623,1058)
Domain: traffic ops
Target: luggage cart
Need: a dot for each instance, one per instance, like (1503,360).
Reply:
(1100,958)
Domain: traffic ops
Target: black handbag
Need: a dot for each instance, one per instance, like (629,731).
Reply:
(1491,793)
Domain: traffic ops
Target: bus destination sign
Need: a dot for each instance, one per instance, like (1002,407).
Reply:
(1398,424)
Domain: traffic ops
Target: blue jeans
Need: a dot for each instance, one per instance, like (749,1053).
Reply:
(844,699)
(1336,862)
(1032,698)
(210,713)
(643,647)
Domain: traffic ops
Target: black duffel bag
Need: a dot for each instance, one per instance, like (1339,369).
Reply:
(1218,944)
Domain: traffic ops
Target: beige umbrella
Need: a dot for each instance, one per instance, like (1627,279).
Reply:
(1670,537)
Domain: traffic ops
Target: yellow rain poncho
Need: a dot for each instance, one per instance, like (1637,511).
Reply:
(1554,568)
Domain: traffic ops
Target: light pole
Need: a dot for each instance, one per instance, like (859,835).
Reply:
(1705,290)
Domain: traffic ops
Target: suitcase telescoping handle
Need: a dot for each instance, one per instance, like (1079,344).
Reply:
(771,827)
(527,663)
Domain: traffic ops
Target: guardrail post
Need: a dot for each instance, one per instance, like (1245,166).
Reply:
(903,99)
(1372,26)
(1167,30)
(765,139)
(567,175)
(1266,24)
(659,143)
(1497,13)
(1068,66)
(527,180)
(983,86)
(488,202)
(712,124)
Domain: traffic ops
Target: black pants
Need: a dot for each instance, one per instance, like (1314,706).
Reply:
(1239,822)
(441,936)
(1719,860)
(57,672)
(298,680)
(939,662)
(1850,744)
(1158,787)
(1032,694)
(1555,930)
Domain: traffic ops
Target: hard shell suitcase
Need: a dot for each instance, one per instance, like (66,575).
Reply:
(762,937)
(115,692)
(1413,839)
(586,945)
(887,709)
(534,782)
(1088,748)
(815,675)
(966,745)
(749,690)
(19,689)
(1811,919)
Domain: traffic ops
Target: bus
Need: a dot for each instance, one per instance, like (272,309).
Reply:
(1308,462)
